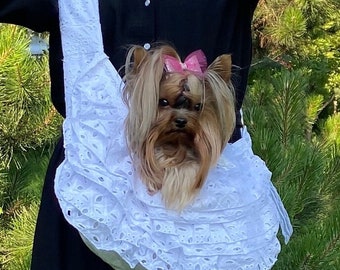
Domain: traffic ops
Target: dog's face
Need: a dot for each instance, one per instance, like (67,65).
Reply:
(178,122)
(181,99)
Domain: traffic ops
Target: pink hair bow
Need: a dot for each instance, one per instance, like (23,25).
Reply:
(196,62)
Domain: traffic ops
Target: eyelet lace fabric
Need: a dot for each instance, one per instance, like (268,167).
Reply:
(232,224)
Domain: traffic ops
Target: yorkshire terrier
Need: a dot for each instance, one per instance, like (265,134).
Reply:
(181,116)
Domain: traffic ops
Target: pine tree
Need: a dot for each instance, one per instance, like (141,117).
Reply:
(303,34)
(306,169)
(27,118)
(297,45)
(16,240)
(29,126)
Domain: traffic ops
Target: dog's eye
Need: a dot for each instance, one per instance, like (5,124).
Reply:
(163,102)
(198,107)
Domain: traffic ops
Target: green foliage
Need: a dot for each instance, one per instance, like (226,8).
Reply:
(316,246)
(22,185)
(291,25)
(331,129)
(16,241)
(287,104)
(20,190)
(280,113)
(29,126)
(303,34)
(27,118)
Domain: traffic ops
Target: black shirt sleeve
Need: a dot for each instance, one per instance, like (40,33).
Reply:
(38,15)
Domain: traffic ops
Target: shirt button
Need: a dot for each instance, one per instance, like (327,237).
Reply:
(147,46)
(147,3)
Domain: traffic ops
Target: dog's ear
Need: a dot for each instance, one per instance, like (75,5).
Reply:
(222,66)
(139,54)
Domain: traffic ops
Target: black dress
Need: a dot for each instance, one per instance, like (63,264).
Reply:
(216,27)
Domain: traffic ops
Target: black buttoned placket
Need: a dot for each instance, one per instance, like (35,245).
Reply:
(150,10)
(127,23)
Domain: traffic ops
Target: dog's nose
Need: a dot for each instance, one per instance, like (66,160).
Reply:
(181,122)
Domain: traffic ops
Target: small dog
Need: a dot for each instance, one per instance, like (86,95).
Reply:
(181,116)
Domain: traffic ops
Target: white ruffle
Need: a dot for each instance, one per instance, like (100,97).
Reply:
(232,224)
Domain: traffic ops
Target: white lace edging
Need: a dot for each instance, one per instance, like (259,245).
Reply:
(233,222)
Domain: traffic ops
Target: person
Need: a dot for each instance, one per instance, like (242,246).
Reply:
(221,27)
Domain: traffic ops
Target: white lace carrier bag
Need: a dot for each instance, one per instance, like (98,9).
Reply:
(234,221)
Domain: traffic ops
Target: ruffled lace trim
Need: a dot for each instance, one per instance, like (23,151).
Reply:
(233,222)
